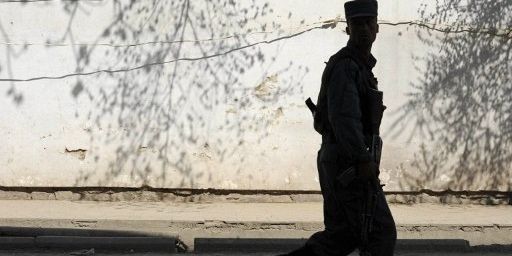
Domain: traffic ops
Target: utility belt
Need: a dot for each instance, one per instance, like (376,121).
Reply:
(329,138)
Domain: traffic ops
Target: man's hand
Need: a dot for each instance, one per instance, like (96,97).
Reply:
(367,171)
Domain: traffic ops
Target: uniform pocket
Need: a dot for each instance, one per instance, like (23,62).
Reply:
(350,201)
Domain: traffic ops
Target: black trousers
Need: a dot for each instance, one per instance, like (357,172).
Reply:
(342,213)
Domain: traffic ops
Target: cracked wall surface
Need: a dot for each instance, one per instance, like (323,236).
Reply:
(193,94)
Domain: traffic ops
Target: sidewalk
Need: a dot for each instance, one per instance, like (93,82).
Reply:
(479,225)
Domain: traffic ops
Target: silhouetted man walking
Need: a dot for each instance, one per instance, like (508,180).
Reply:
(348,114)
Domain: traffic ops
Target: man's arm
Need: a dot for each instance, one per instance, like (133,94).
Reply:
(344,112)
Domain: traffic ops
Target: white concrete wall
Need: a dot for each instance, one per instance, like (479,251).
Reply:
(170,117)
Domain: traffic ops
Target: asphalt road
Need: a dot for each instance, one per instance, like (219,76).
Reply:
(89,253)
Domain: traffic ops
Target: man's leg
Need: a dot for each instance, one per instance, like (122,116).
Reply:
(341,207)
(383,238)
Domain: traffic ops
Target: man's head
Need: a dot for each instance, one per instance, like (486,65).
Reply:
(362,24)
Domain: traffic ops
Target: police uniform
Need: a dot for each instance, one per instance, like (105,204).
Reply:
(347,77)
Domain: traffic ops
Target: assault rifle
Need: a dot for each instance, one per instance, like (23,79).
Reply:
(372,187)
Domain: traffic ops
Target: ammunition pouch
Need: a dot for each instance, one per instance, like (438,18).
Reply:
(347,176)
(375,109)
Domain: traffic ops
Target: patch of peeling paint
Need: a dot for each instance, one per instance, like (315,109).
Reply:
(267,87)
(205,154)
(78,153)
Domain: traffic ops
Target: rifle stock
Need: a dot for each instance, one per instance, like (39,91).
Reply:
(311,106)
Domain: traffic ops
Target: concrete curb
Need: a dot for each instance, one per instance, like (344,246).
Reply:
(226,245)
(63,231)
(246,245)
(433,245)
(190,232)
(153,244)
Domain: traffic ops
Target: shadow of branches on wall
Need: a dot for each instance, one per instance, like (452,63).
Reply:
(463,101)
(173,119)
(175,84)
